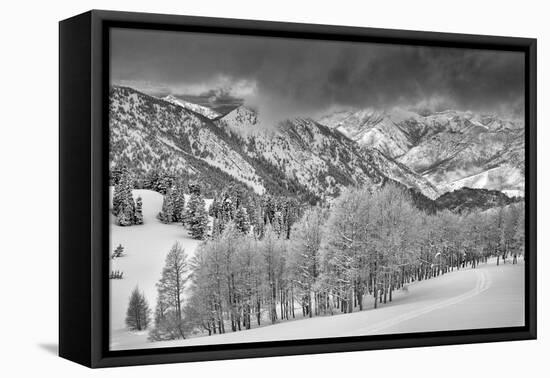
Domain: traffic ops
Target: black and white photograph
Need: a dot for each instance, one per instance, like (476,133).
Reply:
(266,188)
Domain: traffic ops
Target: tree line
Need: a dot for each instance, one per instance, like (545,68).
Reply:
(272,261)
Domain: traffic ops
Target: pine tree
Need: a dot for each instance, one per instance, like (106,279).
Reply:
(164,182)
(196,217)
(124,217)
(290,214)
(228,208)
(151,179)
(138,313)
(128,198)
(179,204)
(117,198)
(194,188)
(123,200)
(242,222)
(215,207)
(167,213)
(138,218)
(217,212)
(118,252)
(277,223)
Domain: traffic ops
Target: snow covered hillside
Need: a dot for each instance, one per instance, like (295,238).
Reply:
(145,250)
(489,296)
(320,159)
(430,154)
(447,148)
(298,157)
(146,132)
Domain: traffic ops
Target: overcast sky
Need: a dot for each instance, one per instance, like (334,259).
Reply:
(307,77)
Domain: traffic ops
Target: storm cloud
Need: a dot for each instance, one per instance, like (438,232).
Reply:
(307,77)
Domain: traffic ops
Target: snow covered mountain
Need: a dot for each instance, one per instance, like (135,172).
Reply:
(450,149)
(242,121)
(147,132)
(372,128)
(298,156)
(317,157)
(199,109)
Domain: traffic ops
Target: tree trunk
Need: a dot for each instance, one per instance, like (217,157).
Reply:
(309,304)
(385,288)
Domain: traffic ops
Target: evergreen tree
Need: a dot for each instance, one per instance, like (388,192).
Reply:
(179,203)
(278,223)
(138,218)
(164,183)
(127,186)
(123,200)
(138,313)
(118,252)
(215,208)
(117,198)
(228,208)
(196,217)
(242,222)
(167,213)
(151,179)
(125,216)
(194,188)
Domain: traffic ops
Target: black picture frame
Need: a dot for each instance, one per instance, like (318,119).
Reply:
(83,167)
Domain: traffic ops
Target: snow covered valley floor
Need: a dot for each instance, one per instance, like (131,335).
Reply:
(145,250)
(486,297)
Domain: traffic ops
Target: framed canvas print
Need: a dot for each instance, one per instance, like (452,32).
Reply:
(234,188)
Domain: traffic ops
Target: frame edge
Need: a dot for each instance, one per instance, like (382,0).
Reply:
(75,337)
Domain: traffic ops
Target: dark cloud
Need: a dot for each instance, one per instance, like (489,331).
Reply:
(289,76)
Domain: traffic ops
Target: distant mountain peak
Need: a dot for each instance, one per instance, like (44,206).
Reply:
(243,121)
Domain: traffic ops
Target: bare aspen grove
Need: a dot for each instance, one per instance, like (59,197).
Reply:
(324,261)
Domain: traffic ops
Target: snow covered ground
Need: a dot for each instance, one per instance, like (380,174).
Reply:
(486,297)
(145,250)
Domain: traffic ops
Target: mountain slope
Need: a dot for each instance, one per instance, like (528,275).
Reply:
(449,148)
(146,133)
(466,199)
(320,159)
(297,157)
(490,160)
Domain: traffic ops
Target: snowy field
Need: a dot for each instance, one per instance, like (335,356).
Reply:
(486,297)
(145,250)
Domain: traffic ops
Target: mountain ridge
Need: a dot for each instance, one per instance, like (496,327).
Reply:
(444,147)
(298,156)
